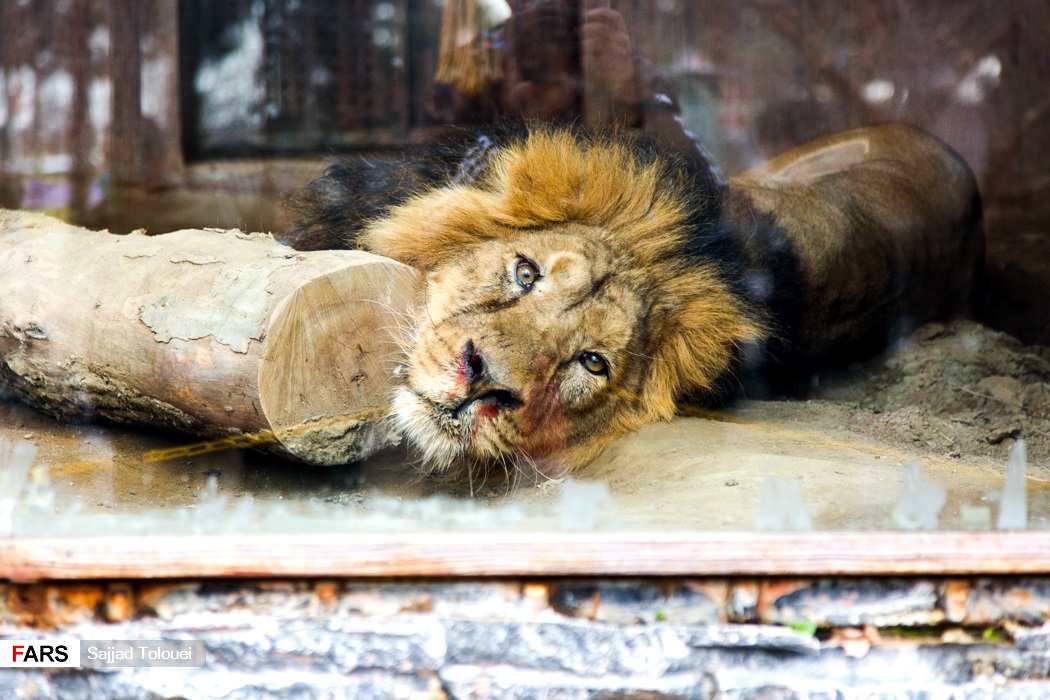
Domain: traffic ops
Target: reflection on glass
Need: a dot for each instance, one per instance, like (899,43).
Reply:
(212,112)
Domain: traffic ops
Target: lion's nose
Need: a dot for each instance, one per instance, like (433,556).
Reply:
(473,365)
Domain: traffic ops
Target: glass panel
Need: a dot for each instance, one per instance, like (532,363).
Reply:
(164,115)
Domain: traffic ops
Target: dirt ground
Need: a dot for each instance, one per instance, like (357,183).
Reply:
(952,390)
(953,398)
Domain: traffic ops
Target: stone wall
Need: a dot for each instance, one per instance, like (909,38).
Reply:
(966,638)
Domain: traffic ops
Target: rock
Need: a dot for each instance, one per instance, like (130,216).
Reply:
(1036,399)
(1000,433)
(1005,390)
(931,331)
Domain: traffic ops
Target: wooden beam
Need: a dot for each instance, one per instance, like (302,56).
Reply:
(469,554)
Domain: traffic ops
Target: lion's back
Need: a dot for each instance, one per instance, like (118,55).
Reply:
(876,231)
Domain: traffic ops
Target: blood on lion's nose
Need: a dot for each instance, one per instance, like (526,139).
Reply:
(471,364)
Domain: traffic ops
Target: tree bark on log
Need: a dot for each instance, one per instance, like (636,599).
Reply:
(215,333)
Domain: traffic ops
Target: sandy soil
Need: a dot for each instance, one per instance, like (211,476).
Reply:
(950,390)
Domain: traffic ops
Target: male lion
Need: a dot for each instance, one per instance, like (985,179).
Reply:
(580,285)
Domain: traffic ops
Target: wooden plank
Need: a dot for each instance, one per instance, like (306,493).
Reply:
(457,554)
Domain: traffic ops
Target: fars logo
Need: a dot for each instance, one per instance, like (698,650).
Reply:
(38,653)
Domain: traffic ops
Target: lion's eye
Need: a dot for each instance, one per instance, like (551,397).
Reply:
(525,273)
(594,363)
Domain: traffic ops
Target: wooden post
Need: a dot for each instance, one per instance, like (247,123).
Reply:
(80,132)
(166,166)
(215,333)
(126,128)
(145,151)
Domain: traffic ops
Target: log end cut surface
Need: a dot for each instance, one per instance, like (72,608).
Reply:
(331,350)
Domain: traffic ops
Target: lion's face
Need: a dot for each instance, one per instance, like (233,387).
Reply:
(532,348)
(559,310)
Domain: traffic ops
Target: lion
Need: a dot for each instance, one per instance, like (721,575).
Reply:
(580,285)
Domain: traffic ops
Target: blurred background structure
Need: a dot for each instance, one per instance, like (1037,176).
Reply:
(162,114)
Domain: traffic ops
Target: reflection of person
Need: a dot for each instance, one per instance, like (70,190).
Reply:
(559,60)
(782,125)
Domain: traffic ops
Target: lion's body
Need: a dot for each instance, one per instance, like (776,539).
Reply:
(580,285)
(885,232)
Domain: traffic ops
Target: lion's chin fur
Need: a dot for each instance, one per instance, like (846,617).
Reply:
(438,450)
(446,450)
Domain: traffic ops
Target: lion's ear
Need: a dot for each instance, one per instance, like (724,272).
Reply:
(431,228)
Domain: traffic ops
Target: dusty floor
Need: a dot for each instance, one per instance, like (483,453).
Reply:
(954,398)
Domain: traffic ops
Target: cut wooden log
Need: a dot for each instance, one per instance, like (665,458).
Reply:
(215,333)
